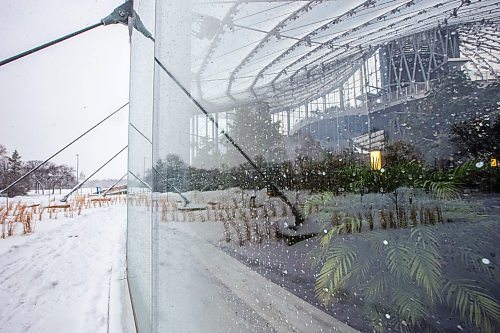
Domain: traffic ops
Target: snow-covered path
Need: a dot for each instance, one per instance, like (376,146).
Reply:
(58,281)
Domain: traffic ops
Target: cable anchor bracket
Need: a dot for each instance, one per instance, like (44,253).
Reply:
(126,15)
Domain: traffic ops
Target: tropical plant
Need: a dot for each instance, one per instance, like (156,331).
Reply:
(401,279)
(446,184)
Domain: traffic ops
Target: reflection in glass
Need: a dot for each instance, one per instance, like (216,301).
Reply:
(316,167)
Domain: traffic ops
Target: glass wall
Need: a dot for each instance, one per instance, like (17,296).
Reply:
(139,215)
(379,215)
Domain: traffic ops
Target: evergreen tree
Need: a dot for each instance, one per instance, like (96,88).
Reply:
(255,132)
(3,167)
(14,171)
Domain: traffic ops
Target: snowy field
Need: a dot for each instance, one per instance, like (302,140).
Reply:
(62,277)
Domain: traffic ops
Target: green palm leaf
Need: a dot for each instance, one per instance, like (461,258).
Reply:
(315,257)
(425,267)
(336,267)
(444,189)
(398,262)
(446,185)
(378,285)
(473,304)
(326,239)
(359,270)
(321,199)
(470,258)
(425,261)
(409,306)
(424,237)
(378,241)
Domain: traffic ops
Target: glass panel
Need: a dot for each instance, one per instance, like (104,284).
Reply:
(316,167)
(139,166)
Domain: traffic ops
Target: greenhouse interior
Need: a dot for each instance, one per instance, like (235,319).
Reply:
(314,166)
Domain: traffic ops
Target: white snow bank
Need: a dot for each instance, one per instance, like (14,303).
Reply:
(58,279)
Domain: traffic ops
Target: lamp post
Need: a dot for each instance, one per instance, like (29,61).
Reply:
(77,156)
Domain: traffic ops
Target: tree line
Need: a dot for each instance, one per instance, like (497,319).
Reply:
(49,177)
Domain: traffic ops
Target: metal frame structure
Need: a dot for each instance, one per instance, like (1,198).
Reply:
(320,55)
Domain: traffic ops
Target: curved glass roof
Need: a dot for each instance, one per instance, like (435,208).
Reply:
(285,51)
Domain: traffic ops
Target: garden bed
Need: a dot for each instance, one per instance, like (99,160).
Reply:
(466,247)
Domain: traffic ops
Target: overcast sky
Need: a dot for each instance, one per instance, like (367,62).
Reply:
(49,98)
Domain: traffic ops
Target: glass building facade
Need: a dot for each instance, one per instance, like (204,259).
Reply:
(253,203)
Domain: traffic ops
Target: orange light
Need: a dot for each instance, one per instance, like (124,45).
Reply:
(376,159)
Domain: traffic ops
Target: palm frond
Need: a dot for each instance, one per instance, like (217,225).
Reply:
(443,188)
(377,241)
(315,257)
(409,306)
(398,261)
(425,268)
(473,304)
(320,199)
(324,216)
(464,170)
(337,266)
(327,238)
(446,185)
(359,270)
(424,237)
(471,259)
(378,285)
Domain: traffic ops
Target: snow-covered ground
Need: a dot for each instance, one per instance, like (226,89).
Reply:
(58,278)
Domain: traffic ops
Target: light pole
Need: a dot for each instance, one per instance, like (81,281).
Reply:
(77,175)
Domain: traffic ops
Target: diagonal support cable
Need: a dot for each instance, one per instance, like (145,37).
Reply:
(140,180)
(61,150)
(112,186)
(41,47)
(276,189)
(123,14)
(186,201)
(65,198)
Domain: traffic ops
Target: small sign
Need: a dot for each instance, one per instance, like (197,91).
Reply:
(493,162)
(376,159)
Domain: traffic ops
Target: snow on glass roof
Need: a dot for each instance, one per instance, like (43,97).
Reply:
(279,51)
